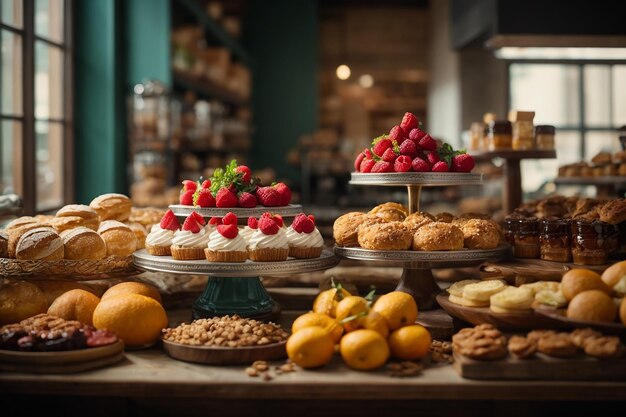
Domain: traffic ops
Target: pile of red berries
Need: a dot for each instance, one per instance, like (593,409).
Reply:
(408,148)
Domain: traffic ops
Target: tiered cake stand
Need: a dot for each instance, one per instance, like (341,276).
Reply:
(417,278)
(234,288)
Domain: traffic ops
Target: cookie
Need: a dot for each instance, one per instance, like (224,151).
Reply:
(579,336)
(538,334)
(467,303)
(604,347)
(483,342)
(521,347)
(482,291)
(456,289)
(559,345)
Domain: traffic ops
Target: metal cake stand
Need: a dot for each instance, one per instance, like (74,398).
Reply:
(417,278)
(234,287)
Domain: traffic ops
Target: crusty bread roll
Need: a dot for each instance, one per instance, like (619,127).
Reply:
(592,305)
(19,222)
(112,207)
(20,300)
(480,234)
(15,235)
(41,243)
(61,224)
(140,233)
(89,215)
(438,236)
(4,244)
(83,243)
(120,240)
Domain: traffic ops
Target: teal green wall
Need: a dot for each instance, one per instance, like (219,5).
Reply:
(99,111)
(281,38)
(147,48)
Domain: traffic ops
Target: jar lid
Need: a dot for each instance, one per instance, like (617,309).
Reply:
(500,126)
(546,129)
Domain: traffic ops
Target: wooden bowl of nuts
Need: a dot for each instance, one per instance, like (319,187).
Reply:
(227,340)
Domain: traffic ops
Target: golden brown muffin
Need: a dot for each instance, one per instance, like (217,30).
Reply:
(61,224)
(613,212)
(480,234)
(112,207)
(15,235)
(83,243)
(20,300)
(140,233)
(444,217)
(19,222)
(438,236)
(592,305)
(418,219)
(120,240)
(41,243)
(4,244)
(346,227)
(385,236)
(89,215)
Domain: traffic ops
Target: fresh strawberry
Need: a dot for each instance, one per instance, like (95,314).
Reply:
(440,166)
(312,217)
(247,200)
(198,218)
(203,198)
(416,134)
(285,193)
(230,218)
(253,223)
(381,144)
(190,185)
(409,122)
(382,166)
(225,198)
(390,155)
(428,143)
(403,163)
(420,165)
(303,224)
(358,160)
(268,196)
(396,133)
(246,173)
(278,219)
(191,224)
(206,184)
(463,163)
(433,157)
(408,148)
(267,214)
(169,221)
(229,231)
(186,198)
(215,221)
(268,226)
(366,165)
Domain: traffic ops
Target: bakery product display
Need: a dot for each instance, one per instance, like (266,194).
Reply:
(40,243)
(385,236)
(346,227)
(83,243)
(225,243)
(112,206)
(269,242)
(438,236)
(305,240)
(140,233)
(248,229)
(615,278)
(89,215)
(189,242)
(390,212)
(592,305)
(120,240)
(483,342)
(480,234)
(159,240)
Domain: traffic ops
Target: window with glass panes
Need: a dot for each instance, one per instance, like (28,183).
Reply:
(35,105)
(586,102)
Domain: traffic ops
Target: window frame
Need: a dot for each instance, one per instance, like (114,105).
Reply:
(28,119)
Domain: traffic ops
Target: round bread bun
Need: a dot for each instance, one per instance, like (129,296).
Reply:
(41,243)
(385,236)
(120,240)
(4,244)
(615,277)
(19,222)
(61,224)
(140,233)
(112,207)
(418,219)
(592,305)
(578,280)
(83,243)
(346,227)
(75,305)
(90,216)
(622,311)
(390,206)
(438,236)
(15,234)
(480,234)
(20,300)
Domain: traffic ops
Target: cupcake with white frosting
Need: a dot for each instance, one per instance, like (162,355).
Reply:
(226,243)
(305,240)
(269,241)
(159,240)
(189,242)
(247,231)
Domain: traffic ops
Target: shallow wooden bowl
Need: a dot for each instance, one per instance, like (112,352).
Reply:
(559,317)
(218,355)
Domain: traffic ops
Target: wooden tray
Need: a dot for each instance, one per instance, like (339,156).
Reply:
(518,271)
(542,367)
(480,315)
(225,356)
(69,361)
(80,270)
(559,319)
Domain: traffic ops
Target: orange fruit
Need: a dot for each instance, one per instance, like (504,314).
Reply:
(75,305)
(364,350)
(316,319)
(349,307)
(326,301)
(578,280)
(310,347)
(398,308)
(374,321)
(133,288)
(135,318)
(410,342)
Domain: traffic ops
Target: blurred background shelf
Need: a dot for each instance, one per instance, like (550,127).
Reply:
(207,89)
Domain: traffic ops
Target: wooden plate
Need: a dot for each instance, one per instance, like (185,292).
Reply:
(79,270)
(225,356)
(480,315)
(558,317)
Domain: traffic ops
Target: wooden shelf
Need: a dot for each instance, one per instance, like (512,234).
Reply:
(513,154)
(207,89)
(604,180)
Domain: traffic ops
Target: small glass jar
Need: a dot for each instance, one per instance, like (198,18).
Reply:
(476,136)
(593,242)
(523,138)
(500,135)
(554,240)
(510,229)
(544,137)
(526,238)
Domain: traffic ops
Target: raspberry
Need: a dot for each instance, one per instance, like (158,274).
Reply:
(358,160)
(191,224)
(409,122)
(268,226)
(398,134)
(390,155)
(247,200)
(230,218)
(198,218)
(186,198)
(303,224)
(416,134)
(382,166)
(381,145)
(366,165)
(420,165)
(253,223)
(278,219)
(427,143)
(225,198)
(402,164)
(408,148)
(229,231)
(169,221)
(440,166)
(433,157)
(312,217)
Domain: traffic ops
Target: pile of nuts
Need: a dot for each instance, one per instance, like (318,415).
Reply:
(441,352)
(262,369)
(227,331)
(404,369)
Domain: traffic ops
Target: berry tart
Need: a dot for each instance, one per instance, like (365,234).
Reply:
(269,242)
(159,240)
(248,231)
(305,240)
(225,243)
(189,243)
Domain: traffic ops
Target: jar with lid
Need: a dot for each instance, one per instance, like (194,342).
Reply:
(593,242)
(476,136)
(500,135)
(523,138)
(554,240)
(525,237)
(544,137)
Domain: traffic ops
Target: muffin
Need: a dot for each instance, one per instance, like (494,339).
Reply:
(189,242)
(225,242)
(269,242)
(305,240)
(159,240)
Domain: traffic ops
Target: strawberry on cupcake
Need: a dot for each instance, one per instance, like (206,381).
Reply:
(305,240)
(159,239)
(269,241)
(189,242)
(247,231)
(225,243)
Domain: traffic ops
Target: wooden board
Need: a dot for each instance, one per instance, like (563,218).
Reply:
(542,367)
(559,319)
(225,356)
(518,271)
(480,315)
